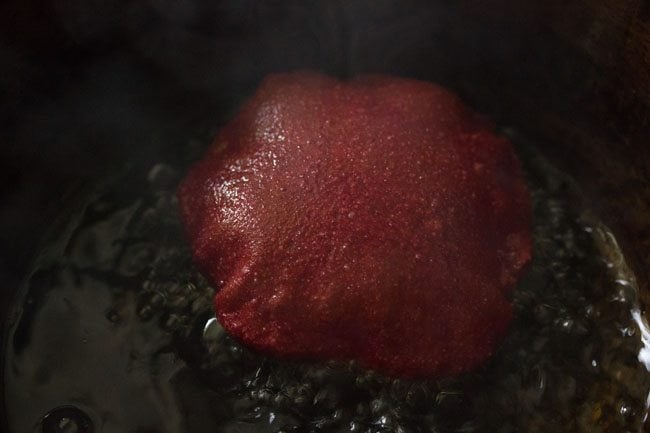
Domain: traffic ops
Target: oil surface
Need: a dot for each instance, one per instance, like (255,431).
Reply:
(116,334)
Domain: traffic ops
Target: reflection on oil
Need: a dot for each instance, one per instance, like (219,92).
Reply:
(117,325)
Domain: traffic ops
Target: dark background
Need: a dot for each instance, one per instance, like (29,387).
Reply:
(87,86)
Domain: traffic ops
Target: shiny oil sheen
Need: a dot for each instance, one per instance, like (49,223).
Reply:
(115,333)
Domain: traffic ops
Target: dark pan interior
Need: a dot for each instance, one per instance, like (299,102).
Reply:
(88,85)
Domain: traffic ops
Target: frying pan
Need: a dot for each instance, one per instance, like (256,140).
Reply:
(88,85)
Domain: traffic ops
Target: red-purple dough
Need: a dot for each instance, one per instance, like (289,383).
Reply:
(376,219)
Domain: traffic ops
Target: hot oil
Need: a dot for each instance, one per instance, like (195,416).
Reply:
(116,334)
